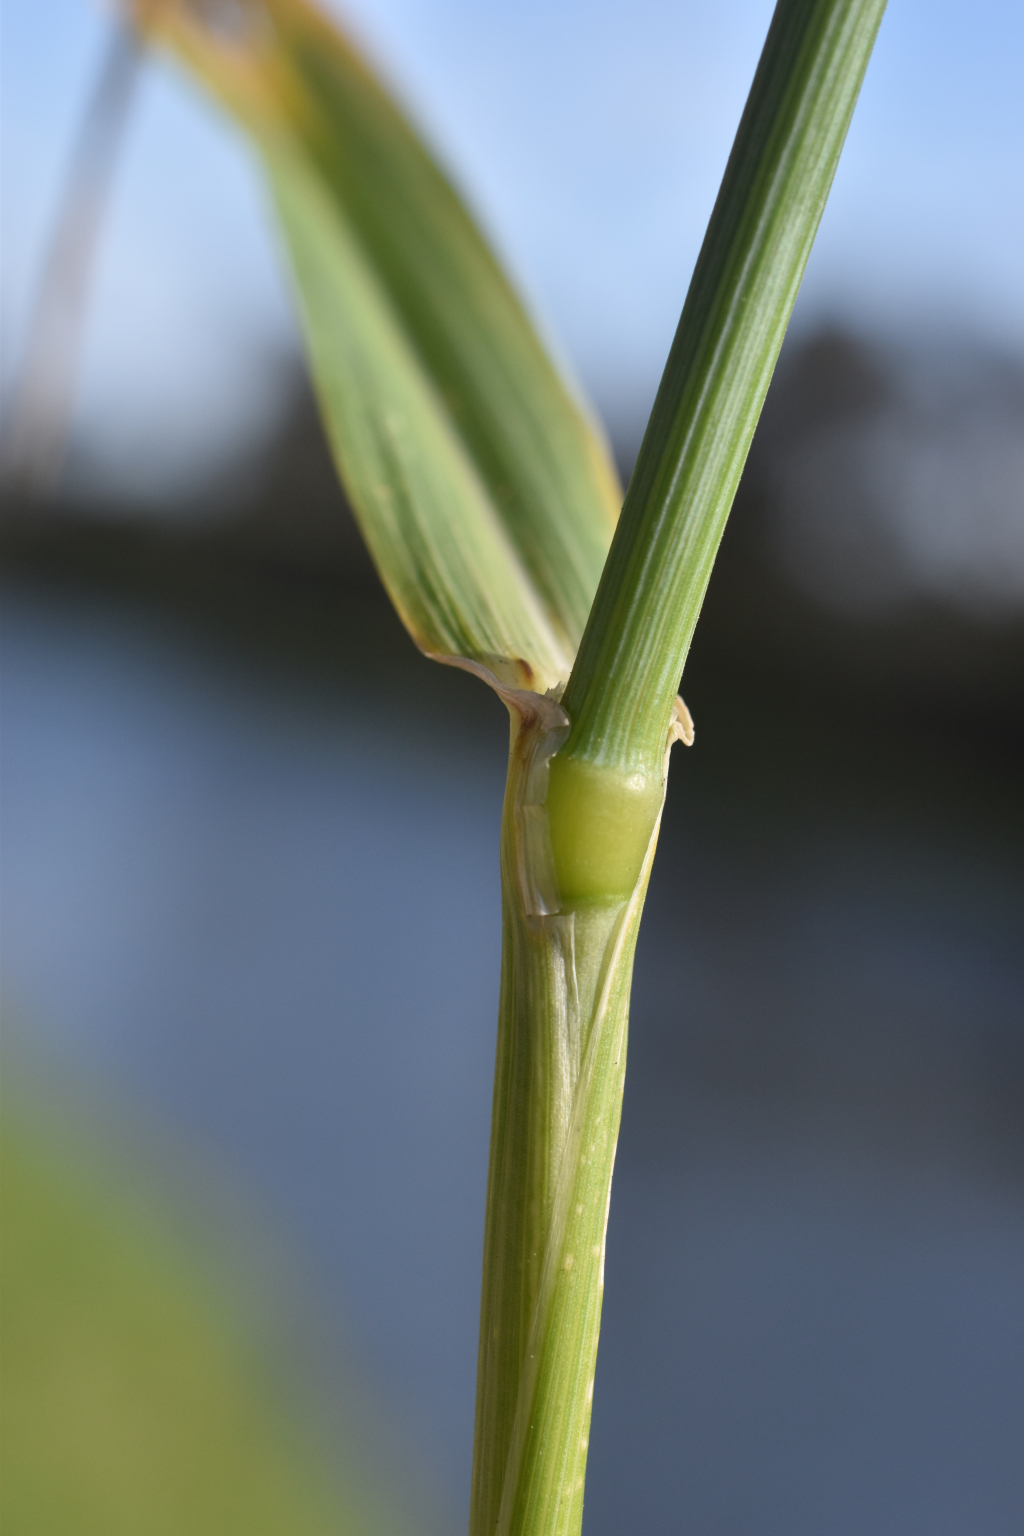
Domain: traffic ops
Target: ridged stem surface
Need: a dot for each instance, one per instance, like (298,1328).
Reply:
(561,1057)
(619,697)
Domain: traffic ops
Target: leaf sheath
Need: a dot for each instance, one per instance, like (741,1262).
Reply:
(561,1057)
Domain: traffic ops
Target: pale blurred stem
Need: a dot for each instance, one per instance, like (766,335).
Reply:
(584,797)
(41,411)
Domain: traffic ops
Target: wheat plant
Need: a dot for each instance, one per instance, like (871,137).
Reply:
(489,502)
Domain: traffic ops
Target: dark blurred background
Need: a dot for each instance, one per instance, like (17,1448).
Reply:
(250,909)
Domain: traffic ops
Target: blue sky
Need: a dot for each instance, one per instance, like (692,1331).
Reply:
(590,137)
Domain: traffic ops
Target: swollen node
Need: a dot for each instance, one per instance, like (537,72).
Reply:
(600,823)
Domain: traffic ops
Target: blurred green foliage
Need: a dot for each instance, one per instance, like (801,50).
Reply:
(130,1401)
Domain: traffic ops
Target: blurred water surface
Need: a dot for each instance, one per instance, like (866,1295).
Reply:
(258,904)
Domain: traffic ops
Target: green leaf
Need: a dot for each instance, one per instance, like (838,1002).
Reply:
(134,1399)
(483,490)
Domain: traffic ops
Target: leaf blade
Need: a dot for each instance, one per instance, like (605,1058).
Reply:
(536,488)
(449,580)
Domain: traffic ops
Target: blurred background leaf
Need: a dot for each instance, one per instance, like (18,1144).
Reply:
(135,1396)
